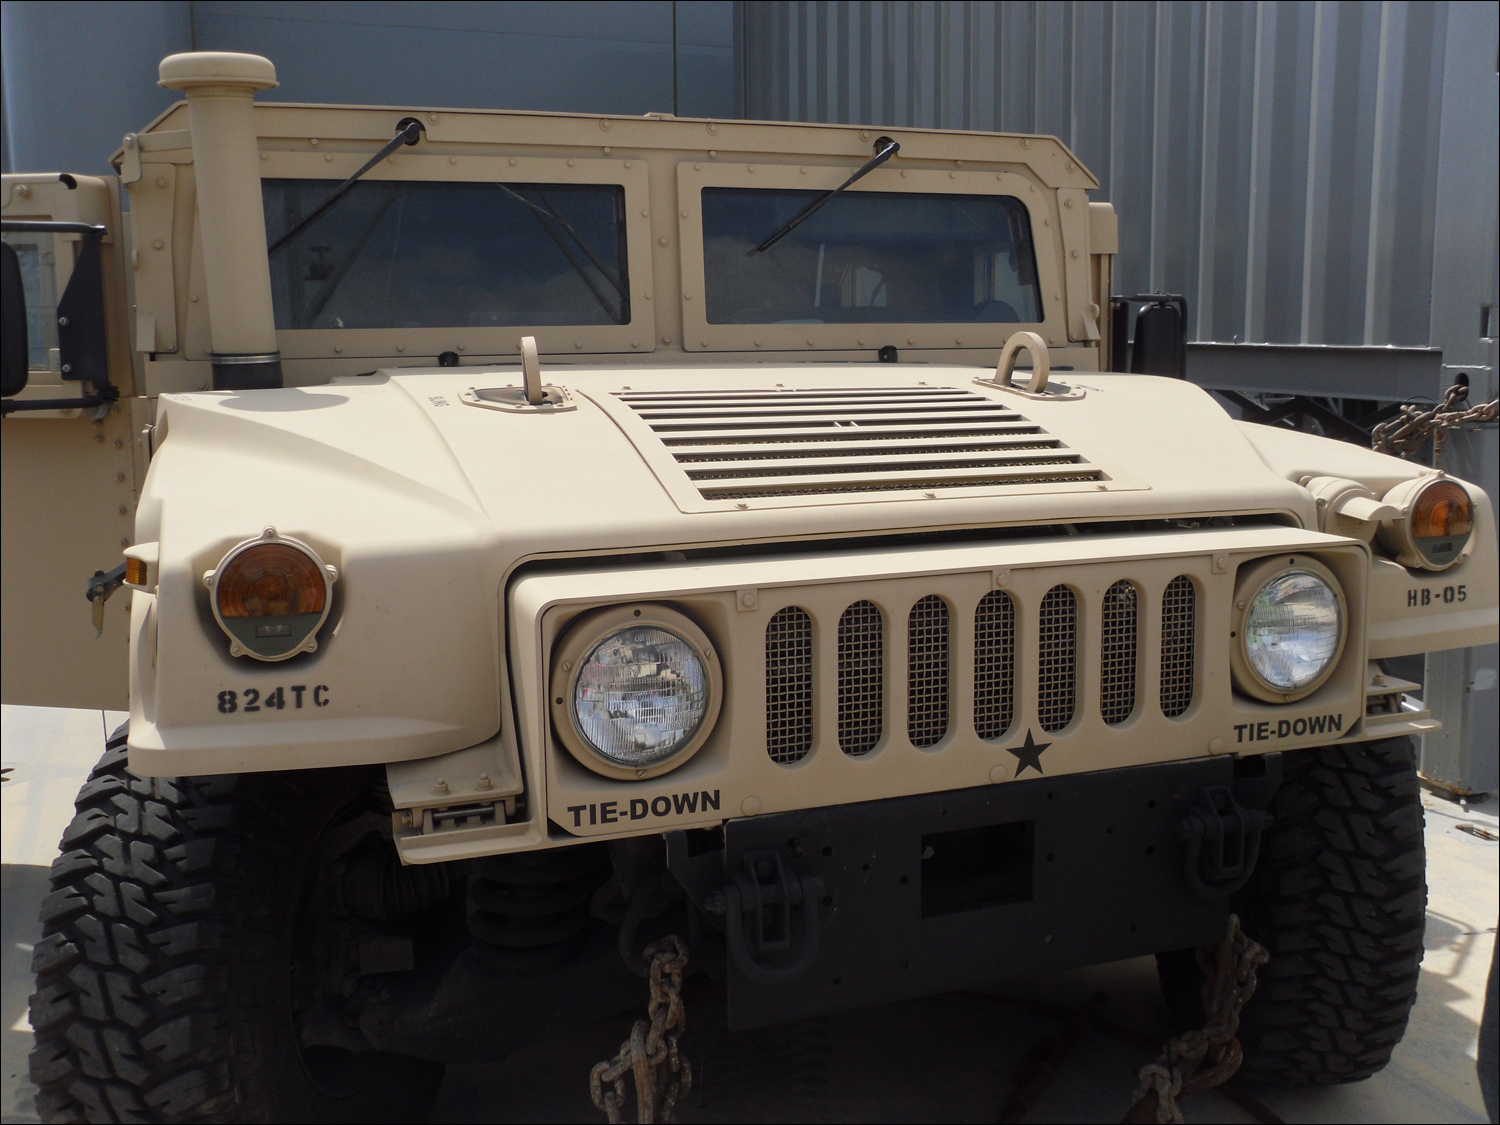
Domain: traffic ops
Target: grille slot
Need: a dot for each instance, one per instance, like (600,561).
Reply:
(861,678)
(1057,659)
(755,444)
(789,685)
(1179,614)
(927,672)
(1117,663)
(994,664)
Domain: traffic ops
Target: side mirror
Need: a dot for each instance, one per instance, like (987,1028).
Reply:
(1158,344)
(14,347)
(81,342)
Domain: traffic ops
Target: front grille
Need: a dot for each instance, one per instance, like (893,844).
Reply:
(1057,659)
(1117,663)
(1006,668)
(927,671)
(754,444)
(789,685)
(861,678)
(994,664)
(1179,612)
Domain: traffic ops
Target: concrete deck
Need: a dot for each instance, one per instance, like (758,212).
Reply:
(941,1059)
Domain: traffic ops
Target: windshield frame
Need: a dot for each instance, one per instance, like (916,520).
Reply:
(701,335)
(397,343)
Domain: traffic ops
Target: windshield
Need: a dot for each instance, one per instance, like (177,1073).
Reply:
(408,254)
(868,257)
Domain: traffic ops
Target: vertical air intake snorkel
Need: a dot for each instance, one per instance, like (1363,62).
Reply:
(220,89)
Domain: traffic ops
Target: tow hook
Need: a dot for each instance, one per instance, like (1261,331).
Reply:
(1223,842)
(100,587)
(768,892)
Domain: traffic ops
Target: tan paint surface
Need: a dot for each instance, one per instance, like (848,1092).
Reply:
(62,520)
(67,504)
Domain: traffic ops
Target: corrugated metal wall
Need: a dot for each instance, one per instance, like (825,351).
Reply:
(1277,162)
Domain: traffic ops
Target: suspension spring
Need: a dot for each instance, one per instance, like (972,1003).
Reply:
(530,912)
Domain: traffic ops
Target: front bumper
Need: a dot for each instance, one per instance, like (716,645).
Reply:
(943,891)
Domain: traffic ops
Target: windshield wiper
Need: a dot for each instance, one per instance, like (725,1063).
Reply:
(408,132)
(544,211)
(885,148)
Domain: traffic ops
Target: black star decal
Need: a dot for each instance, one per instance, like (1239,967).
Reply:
(1029,754)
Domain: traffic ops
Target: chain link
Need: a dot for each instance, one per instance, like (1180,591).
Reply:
(1406,435)
(650,1055)
(1200,1060)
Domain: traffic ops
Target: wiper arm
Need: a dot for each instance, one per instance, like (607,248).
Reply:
(545,208)
(542,214)
(408,132)
(885,148)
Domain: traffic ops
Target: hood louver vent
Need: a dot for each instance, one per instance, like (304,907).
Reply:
(799,445)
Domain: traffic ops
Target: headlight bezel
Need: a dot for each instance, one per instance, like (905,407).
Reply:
(590,630)
(1398,535)
(1252,581)
(305,639)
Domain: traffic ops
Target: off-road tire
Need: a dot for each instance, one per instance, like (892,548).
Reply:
(163,988)
(1339,900)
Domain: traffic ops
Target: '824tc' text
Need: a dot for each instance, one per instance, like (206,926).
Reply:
(295,697)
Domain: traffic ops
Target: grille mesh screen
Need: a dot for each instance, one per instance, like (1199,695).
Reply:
(1057,658)
(861,678)
(994,664)
(927,672)
(789,685)
(1117,661)
(790,660)
(1179,611)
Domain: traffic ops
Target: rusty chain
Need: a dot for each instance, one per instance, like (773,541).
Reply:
(1405,436)
(1210,1056)
(650,1055)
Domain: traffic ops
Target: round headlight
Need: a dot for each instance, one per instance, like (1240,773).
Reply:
(1437,518)
(271,595)
(1291,630)
(636,690)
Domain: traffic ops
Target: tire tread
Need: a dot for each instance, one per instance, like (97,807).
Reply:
(158,965)
(1339,901)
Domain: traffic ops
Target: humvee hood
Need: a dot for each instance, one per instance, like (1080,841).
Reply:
(651,459)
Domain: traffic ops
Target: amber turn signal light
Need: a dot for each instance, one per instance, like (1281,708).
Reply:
(1443,509)
(271,595)
(135,572)
(270,580)
(1436,521)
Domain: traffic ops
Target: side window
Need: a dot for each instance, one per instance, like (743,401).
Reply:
(868,257)
(431,254)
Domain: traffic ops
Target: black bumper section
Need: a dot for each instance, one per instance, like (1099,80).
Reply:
(920,895)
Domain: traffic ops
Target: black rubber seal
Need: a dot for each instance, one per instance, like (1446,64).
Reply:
(261,375)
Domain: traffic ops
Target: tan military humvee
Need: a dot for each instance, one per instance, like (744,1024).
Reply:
(573,530)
